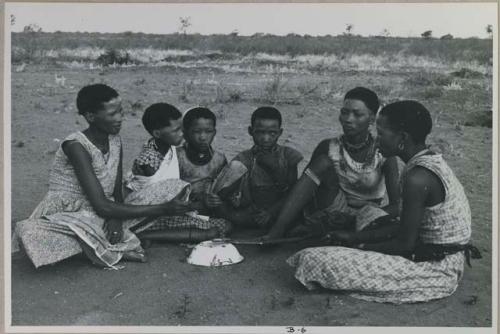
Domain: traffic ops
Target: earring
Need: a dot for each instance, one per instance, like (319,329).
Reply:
(401,146)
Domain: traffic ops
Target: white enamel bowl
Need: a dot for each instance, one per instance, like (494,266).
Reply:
(214,253)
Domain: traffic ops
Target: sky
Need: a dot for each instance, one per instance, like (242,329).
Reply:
(399,19)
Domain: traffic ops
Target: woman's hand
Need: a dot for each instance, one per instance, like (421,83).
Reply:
(114,230)
(178,205)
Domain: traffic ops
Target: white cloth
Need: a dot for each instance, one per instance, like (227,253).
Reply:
(169,169)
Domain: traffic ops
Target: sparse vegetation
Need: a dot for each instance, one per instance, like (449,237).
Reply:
(114,57)
(479,50)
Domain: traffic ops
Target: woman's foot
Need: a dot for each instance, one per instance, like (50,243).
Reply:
(135,256)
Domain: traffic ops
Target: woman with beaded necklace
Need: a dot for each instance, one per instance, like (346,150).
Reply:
(346,175)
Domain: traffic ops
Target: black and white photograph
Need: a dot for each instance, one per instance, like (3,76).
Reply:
(250,167)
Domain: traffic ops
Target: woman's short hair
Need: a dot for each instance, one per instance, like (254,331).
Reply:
(409,116)
(91,98)
(369,98)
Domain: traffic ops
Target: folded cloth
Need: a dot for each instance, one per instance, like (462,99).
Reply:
(169,169)
(228,176)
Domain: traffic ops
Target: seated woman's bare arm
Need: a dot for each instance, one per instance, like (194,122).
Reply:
(81,162)
(391,175)
(301,194)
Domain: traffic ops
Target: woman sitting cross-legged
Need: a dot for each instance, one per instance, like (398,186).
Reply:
(417,259)
(84,209)
(348,183)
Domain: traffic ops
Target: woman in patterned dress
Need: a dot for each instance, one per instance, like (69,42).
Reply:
(347,175)
(84,209)
(417,259)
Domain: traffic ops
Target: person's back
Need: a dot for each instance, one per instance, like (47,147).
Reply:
(448,222)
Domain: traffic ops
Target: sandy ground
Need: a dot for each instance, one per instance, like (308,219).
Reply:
(259,291)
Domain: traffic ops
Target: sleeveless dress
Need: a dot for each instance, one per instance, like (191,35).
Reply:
(65,217)
(379,277)
(362,186)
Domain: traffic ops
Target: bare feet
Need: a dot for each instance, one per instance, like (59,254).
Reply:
(135,256)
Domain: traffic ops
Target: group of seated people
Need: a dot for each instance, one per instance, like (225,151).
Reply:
(382,236)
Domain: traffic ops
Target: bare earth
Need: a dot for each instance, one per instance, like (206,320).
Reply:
(261,290)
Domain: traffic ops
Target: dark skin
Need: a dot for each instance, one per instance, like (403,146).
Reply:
(102,123)
(165,137)
(355,118)
(421,189)
(265,134)
(199,137)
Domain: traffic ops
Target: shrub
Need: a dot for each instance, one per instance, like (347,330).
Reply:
(483,118)
(465,73)
(114,57)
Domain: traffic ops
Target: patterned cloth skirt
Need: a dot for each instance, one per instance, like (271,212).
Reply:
(161,192)
(378,277)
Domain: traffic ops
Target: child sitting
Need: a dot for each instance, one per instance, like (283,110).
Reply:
(257,180)
(158,158)
(195,163)
(199,163)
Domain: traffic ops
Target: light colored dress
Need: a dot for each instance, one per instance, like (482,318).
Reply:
(379,277)
(65,217)
(361,182)
(362,186)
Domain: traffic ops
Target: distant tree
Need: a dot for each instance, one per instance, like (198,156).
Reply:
(385,33)
(447,36)
(185,23)
(12,19)
(427,34)
(32,28)
(258,34)
(348,29)
(489,30)
(33,46)
(234,33)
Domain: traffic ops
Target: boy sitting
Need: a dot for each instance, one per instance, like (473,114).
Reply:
(257,180)
(199,163)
